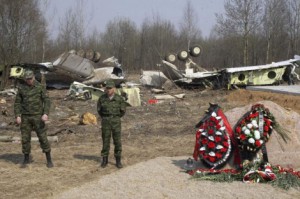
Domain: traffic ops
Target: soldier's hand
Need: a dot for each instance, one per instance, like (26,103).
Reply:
(18,120)
(44,117)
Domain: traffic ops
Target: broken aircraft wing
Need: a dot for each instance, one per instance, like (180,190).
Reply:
(75,64)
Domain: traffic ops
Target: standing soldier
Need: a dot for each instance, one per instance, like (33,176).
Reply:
(111,107)
(31,107)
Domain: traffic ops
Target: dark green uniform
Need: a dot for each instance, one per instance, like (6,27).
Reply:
(111,111)
(30,104)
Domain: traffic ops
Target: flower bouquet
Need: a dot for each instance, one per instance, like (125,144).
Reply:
(213,142)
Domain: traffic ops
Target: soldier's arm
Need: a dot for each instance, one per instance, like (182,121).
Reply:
(99,106)
(46,101)
(17,105)
(123,107)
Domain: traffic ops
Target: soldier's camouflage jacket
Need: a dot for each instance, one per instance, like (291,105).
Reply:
(114,107)
(32,100)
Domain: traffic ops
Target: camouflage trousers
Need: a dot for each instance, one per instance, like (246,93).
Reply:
(111,126)
(33,123)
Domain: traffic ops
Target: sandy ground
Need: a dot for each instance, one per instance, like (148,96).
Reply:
(162,177)
(156,139)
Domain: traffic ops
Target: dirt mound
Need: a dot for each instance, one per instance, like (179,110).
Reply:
(162,178)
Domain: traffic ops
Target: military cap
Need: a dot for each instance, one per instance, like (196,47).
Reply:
(110,84)
(28,74)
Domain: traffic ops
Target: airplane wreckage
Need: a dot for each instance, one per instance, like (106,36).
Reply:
(196,76)
(85,76)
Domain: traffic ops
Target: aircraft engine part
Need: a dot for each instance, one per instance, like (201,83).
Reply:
(90,54)
(97,57)
(195,51)
(183,55)
(170,58)
(81,53)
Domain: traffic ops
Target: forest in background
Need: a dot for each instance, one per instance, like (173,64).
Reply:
(250,32)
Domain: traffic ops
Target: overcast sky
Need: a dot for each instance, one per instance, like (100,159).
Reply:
(99,12)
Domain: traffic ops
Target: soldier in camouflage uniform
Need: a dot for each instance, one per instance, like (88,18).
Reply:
(111,107)
(31,108)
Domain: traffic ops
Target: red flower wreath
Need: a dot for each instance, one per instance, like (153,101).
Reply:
(254,128)
(213,141)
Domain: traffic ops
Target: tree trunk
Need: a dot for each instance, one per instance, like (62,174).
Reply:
(16,139)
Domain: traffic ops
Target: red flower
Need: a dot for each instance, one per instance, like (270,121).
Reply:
(211,145)
(257,143)
(267,121)
(218,138)
(243,137)
(212,159)
(223,150)
(204,141)
(225,144)
(212,119)
(218,126)
(266,128)
(218,155)
(198,134)
(210,131)
(238,129)
(254,115)
(225,137)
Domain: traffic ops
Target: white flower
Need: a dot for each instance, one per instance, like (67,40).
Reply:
(251,140)
(201,130)
(247,131)
(212,154)
(202,148)
(254,122)
(218,133)
(256,135)
(261,141)
(204,133)
(214,114)
(211,138)
(249,126)
(219,147)
(222,128)
(218,117)
(244,128)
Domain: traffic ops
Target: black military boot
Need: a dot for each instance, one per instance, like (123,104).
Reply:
(104,162)
(26,161)
(118,162)
(49,161)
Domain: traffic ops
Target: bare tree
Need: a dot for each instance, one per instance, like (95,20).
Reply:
(120,40)
(242,17)
(294,27)
(275,28)
(22,30)
(189,32)
(72,27)
(158,37)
